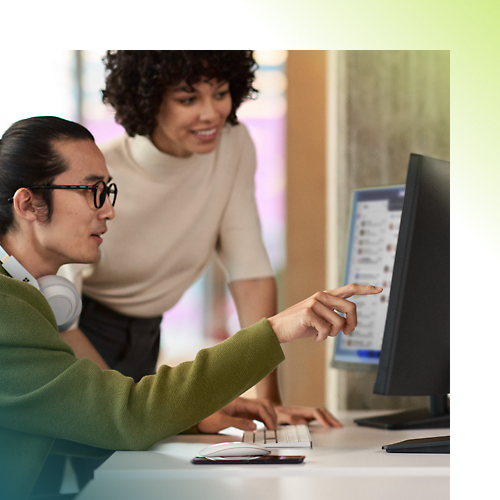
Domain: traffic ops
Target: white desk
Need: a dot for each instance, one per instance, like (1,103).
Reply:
(345,463)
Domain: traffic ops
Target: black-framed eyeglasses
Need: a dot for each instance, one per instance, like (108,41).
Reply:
(100,190)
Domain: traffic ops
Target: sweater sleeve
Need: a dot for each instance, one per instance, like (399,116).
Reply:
(46,391)
(240,246)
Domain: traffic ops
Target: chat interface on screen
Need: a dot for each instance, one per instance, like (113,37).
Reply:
(374,229)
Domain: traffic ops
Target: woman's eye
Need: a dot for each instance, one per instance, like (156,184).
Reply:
(187,101)
(222,94)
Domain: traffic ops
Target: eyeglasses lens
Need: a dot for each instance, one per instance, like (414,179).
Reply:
(112,192)
(102,191)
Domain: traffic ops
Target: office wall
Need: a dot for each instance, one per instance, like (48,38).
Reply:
(353,119)
(390,104)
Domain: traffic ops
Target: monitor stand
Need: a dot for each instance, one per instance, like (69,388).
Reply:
(435,417)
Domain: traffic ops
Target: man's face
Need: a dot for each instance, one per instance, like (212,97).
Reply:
(75,230)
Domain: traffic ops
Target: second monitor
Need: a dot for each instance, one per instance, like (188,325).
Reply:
(373,235)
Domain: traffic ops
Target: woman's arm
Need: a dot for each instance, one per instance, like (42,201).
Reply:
(82,347)
(256,299)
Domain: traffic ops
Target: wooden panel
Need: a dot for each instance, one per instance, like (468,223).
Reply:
(302,375)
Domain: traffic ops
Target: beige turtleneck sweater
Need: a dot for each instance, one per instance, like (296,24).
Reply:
(172,215)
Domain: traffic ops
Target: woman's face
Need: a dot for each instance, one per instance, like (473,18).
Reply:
(190,119)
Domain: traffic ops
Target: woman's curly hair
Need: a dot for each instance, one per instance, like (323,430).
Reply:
(136,80)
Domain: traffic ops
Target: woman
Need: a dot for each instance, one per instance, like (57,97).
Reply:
(55,202)
(188,166)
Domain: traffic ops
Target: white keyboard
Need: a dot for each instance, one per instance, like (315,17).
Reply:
(285,436)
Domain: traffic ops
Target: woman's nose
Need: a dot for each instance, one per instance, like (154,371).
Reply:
(208,110)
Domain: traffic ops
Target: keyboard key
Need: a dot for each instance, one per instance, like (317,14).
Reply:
(291,431)
(270,436)
(248,437)
(285,436)
(259,436)
(303,432)
(281,436)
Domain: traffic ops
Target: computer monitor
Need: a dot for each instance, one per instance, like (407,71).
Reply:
(373,235)
(415,355)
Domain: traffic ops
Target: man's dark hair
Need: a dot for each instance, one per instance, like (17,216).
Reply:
(136,80)
(28,157)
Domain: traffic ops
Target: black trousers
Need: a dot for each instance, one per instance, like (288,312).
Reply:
(50,480)
(129,345)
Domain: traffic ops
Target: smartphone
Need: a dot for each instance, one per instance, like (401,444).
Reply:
(265,459)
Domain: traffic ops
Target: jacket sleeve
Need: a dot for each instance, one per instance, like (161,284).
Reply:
(46,391)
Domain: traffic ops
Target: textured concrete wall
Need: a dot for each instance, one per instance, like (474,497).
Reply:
(391,104)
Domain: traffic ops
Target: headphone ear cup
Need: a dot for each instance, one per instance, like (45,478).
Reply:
(63,298)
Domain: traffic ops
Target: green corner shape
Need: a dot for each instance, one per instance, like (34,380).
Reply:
(471,35)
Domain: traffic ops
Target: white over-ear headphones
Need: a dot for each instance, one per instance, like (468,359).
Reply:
(60,293)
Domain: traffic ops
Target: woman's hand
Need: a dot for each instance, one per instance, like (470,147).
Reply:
(296,415)
(317,316)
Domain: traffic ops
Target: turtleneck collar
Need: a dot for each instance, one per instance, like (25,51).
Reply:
(162,165)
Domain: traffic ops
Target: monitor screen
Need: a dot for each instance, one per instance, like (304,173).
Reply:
(373,235)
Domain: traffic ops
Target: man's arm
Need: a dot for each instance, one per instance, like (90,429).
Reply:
(82,347)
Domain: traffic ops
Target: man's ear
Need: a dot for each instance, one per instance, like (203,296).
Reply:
(24,205)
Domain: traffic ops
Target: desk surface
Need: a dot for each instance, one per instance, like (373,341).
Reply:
(343,463)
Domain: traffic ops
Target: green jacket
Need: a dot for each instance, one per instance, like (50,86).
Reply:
(50,400)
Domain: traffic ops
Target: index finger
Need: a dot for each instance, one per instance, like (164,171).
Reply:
(263,411)
(354,289)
